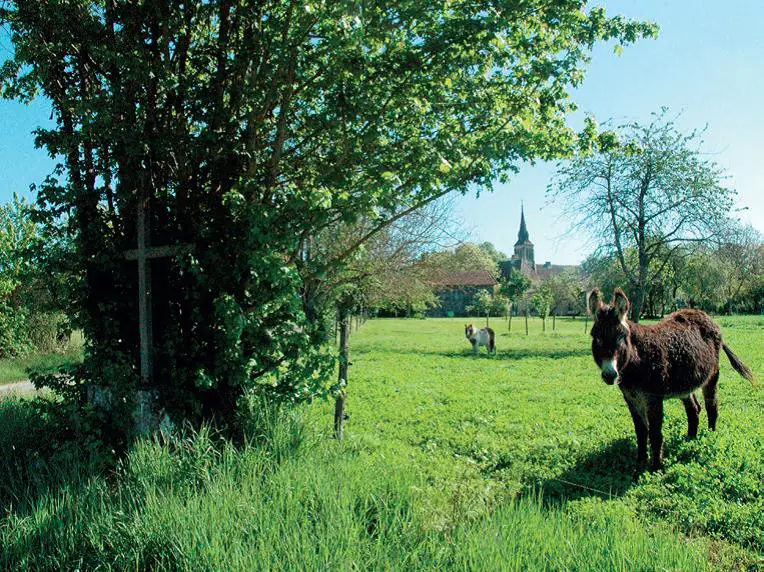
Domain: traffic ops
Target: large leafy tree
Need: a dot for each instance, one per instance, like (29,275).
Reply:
(483,302)
(491,250)
(467,257)
(741,256)
(703,280)
(542,299)
(650,195)
(513,287)
(566,288)
(17,234)
(251,127)
(32,292)
(389,270)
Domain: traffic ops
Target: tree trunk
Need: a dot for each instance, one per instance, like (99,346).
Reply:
(638,301)
(586,323)
(644,262)
(509,324)
(526,322)
(543,324)
(554,318)
(339,405)
(486,319)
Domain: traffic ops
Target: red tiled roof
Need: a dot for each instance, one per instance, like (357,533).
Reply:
(475,278)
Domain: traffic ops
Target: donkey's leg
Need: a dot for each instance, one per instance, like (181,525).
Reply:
(638,415)
(712,404)
(655,428)
(692,408)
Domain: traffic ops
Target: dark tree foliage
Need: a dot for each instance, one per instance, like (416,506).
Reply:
(250,127)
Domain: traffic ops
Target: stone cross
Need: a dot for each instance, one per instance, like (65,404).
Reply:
(143,254)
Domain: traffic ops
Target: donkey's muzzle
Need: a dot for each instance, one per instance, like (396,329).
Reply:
(609,377)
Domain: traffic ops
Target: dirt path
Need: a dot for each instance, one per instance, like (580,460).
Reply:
(17,387)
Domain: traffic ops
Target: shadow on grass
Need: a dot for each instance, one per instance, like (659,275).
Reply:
(40,453)
(501,355)
(551,353)
(606,473)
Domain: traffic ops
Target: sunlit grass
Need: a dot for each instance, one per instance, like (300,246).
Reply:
(16,369)
(522,461)
(290,500)
(537,416)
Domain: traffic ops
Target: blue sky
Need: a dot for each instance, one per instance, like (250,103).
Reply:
(708,62)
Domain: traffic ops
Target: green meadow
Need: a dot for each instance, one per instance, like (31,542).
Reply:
(536,417)
(16,369)
(519,461)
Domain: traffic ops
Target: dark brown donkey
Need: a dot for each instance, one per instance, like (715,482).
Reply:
(651,363)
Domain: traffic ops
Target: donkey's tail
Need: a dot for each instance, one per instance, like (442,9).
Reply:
(738,365)
(491,340)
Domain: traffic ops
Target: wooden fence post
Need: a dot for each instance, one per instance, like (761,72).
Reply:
(339,405)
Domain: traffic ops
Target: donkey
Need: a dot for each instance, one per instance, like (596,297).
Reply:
(477,338)
(651,363)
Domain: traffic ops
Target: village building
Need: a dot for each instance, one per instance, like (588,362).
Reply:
(456,291)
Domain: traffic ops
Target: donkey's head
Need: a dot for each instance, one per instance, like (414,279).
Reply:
(470,332)
(611,345)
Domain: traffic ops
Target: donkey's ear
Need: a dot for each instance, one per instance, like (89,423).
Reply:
(594,302)
(621,303)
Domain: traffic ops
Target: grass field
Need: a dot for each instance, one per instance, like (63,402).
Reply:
(16,369)
(536,416)
(519,461)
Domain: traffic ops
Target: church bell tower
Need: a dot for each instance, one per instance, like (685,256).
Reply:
(523,258)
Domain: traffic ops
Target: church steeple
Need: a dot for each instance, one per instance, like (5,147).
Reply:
(522,236)
(524,259)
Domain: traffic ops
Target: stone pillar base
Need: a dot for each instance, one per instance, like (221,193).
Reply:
(148,416)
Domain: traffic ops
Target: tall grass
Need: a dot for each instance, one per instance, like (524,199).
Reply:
(287,499)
